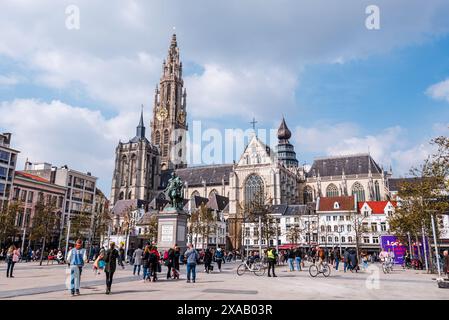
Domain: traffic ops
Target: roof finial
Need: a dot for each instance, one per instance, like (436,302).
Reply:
(254,124)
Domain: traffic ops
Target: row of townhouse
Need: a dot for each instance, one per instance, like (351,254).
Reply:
(330,222)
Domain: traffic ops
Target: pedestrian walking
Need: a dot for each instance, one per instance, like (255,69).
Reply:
(346,260)
(146,263)
(207,261)
(176,258)
(155,265)
(121,251)
(192,256)
(337,257)
(353,261)
(271,256)
(12,257)
(364,257)
(110,258)
(290,258)
(76,258)
(169,257)
(219,258)
(298,258)
(137,258)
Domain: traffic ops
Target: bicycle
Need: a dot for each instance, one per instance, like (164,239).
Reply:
(256,267)
(324,269)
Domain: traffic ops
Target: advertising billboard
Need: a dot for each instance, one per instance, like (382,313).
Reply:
(392,243)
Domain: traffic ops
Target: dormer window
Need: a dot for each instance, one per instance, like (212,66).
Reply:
(366,213)
(336,205)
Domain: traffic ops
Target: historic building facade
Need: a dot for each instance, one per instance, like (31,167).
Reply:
(273,177)
(344,176)
(137,168)
(8,161)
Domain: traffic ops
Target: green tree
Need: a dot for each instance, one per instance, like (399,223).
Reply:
(8,215)
(45,223)
(151,230)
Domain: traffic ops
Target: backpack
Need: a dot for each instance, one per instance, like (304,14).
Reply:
(166,255)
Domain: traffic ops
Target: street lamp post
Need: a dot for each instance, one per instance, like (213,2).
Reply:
(424,249)
(68,235)
(435,242)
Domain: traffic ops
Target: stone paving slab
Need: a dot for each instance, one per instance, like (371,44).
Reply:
(33,282)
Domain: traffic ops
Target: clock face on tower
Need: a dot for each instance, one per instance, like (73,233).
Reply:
(162,113)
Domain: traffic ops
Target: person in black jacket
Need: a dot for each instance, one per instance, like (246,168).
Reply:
(177,255)
(207,260)
(110,258)
(170,262)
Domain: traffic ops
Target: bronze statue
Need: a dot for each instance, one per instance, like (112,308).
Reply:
(174,191)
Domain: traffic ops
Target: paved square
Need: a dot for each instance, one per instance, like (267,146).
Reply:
(32,281)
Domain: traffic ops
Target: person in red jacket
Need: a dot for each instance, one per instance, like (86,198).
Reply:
(154,263)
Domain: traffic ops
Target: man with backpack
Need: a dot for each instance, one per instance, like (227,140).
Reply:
(192,257)
(219,258)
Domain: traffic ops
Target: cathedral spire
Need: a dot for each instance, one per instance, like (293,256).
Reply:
(140,130)
(174,43)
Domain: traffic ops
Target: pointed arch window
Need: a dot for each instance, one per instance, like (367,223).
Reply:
(158,138)
(166,136)
(308,195)
(332,190)
(377,191)
(254,190)
(357,189)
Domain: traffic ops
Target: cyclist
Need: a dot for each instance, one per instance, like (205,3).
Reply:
(321,256)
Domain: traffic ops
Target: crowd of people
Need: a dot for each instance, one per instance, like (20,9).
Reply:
(148,260)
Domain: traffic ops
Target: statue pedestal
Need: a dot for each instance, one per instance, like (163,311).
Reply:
(172,229)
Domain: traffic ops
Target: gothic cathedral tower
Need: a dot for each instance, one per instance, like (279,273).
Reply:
(168,127)
(136,173)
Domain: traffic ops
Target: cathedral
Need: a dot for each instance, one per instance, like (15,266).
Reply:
(142,167)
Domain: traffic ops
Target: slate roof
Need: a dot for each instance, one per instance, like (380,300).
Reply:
(122,205)
(219,203)
(145,219)
(289,210)
(214,202)
(197,201)
(158,203)
(394,184)
(346,203)
(194,176)
(351,164)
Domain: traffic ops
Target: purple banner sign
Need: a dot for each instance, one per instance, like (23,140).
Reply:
(392,243)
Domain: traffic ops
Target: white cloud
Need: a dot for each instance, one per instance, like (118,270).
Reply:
(439,91)
(62,134)
(390,146)
(221,92)
(10,80)
(243,38)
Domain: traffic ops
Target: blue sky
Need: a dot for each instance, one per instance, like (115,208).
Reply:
(69,96)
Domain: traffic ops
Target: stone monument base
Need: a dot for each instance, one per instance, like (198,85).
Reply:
(172,229)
